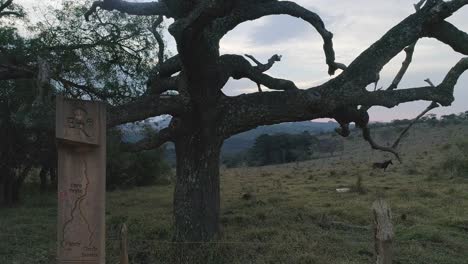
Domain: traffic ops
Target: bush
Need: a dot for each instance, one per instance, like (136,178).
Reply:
(126,170)
(457,166)
(281,148)
(457,163)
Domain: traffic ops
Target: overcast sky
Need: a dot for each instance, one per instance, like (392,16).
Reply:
(355,24)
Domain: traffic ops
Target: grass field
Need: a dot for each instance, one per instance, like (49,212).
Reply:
(288,213)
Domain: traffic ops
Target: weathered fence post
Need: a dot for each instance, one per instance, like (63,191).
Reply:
(124,244)
(81,144)
(383,232)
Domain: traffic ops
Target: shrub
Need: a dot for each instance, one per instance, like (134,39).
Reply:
(456,162)
(126,170)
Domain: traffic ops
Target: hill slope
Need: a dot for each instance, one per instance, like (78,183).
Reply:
(289,213)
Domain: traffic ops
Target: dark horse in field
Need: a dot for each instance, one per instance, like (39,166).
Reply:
(382,165)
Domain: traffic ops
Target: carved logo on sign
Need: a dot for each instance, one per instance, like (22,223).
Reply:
(76,123)
(80,121)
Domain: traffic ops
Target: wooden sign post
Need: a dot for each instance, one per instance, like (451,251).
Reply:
(81,144)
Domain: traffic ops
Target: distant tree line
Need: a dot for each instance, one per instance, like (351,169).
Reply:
(430,119)
(284,148)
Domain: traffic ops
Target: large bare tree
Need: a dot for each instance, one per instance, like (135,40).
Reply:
(203,116)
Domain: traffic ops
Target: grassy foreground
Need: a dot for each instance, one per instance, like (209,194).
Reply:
(286,214)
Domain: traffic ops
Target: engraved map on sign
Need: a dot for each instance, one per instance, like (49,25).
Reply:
(80,130)
(78,232)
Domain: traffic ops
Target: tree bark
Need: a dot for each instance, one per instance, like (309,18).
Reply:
(196,196)
(18,184)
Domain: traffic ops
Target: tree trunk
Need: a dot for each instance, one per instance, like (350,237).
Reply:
(18,184)
(196,196)
(53,178)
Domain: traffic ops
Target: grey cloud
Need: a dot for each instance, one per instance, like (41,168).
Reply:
(279,29)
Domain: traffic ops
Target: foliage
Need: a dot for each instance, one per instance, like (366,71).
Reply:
(284,148)
(108,58)
(127,169)
(24,140)
(280,148)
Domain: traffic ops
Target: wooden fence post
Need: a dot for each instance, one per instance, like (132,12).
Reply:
(124,244)
(383,232)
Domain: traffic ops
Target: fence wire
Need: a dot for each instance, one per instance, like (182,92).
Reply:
(145,251)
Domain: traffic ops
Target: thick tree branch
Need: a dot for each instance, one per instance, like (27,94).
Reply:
(161,85)
(132,8)
(255,10)
(450,35)
(149,143)
(168,67)
(5,5)
(143,108)
(364,69)
(159,39)
(11,72)
(11,13)
(252,110)
(9,4)
(451,79)
(247,111)
(161,79)
(202,13)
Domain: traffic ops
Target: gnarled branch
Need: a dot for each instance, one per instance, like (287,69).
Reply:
(153,142)
(326,101)
(450,35)
(161,85)
(159,39)
(263,67)
(143,108)
(5,5)
(246,12)
(10,13)
(364,69)
(238,67)
(9,4)
(366,134)
(11,72)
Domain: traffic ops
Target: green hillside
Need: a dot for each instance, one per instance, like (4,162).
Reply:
(290,213)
